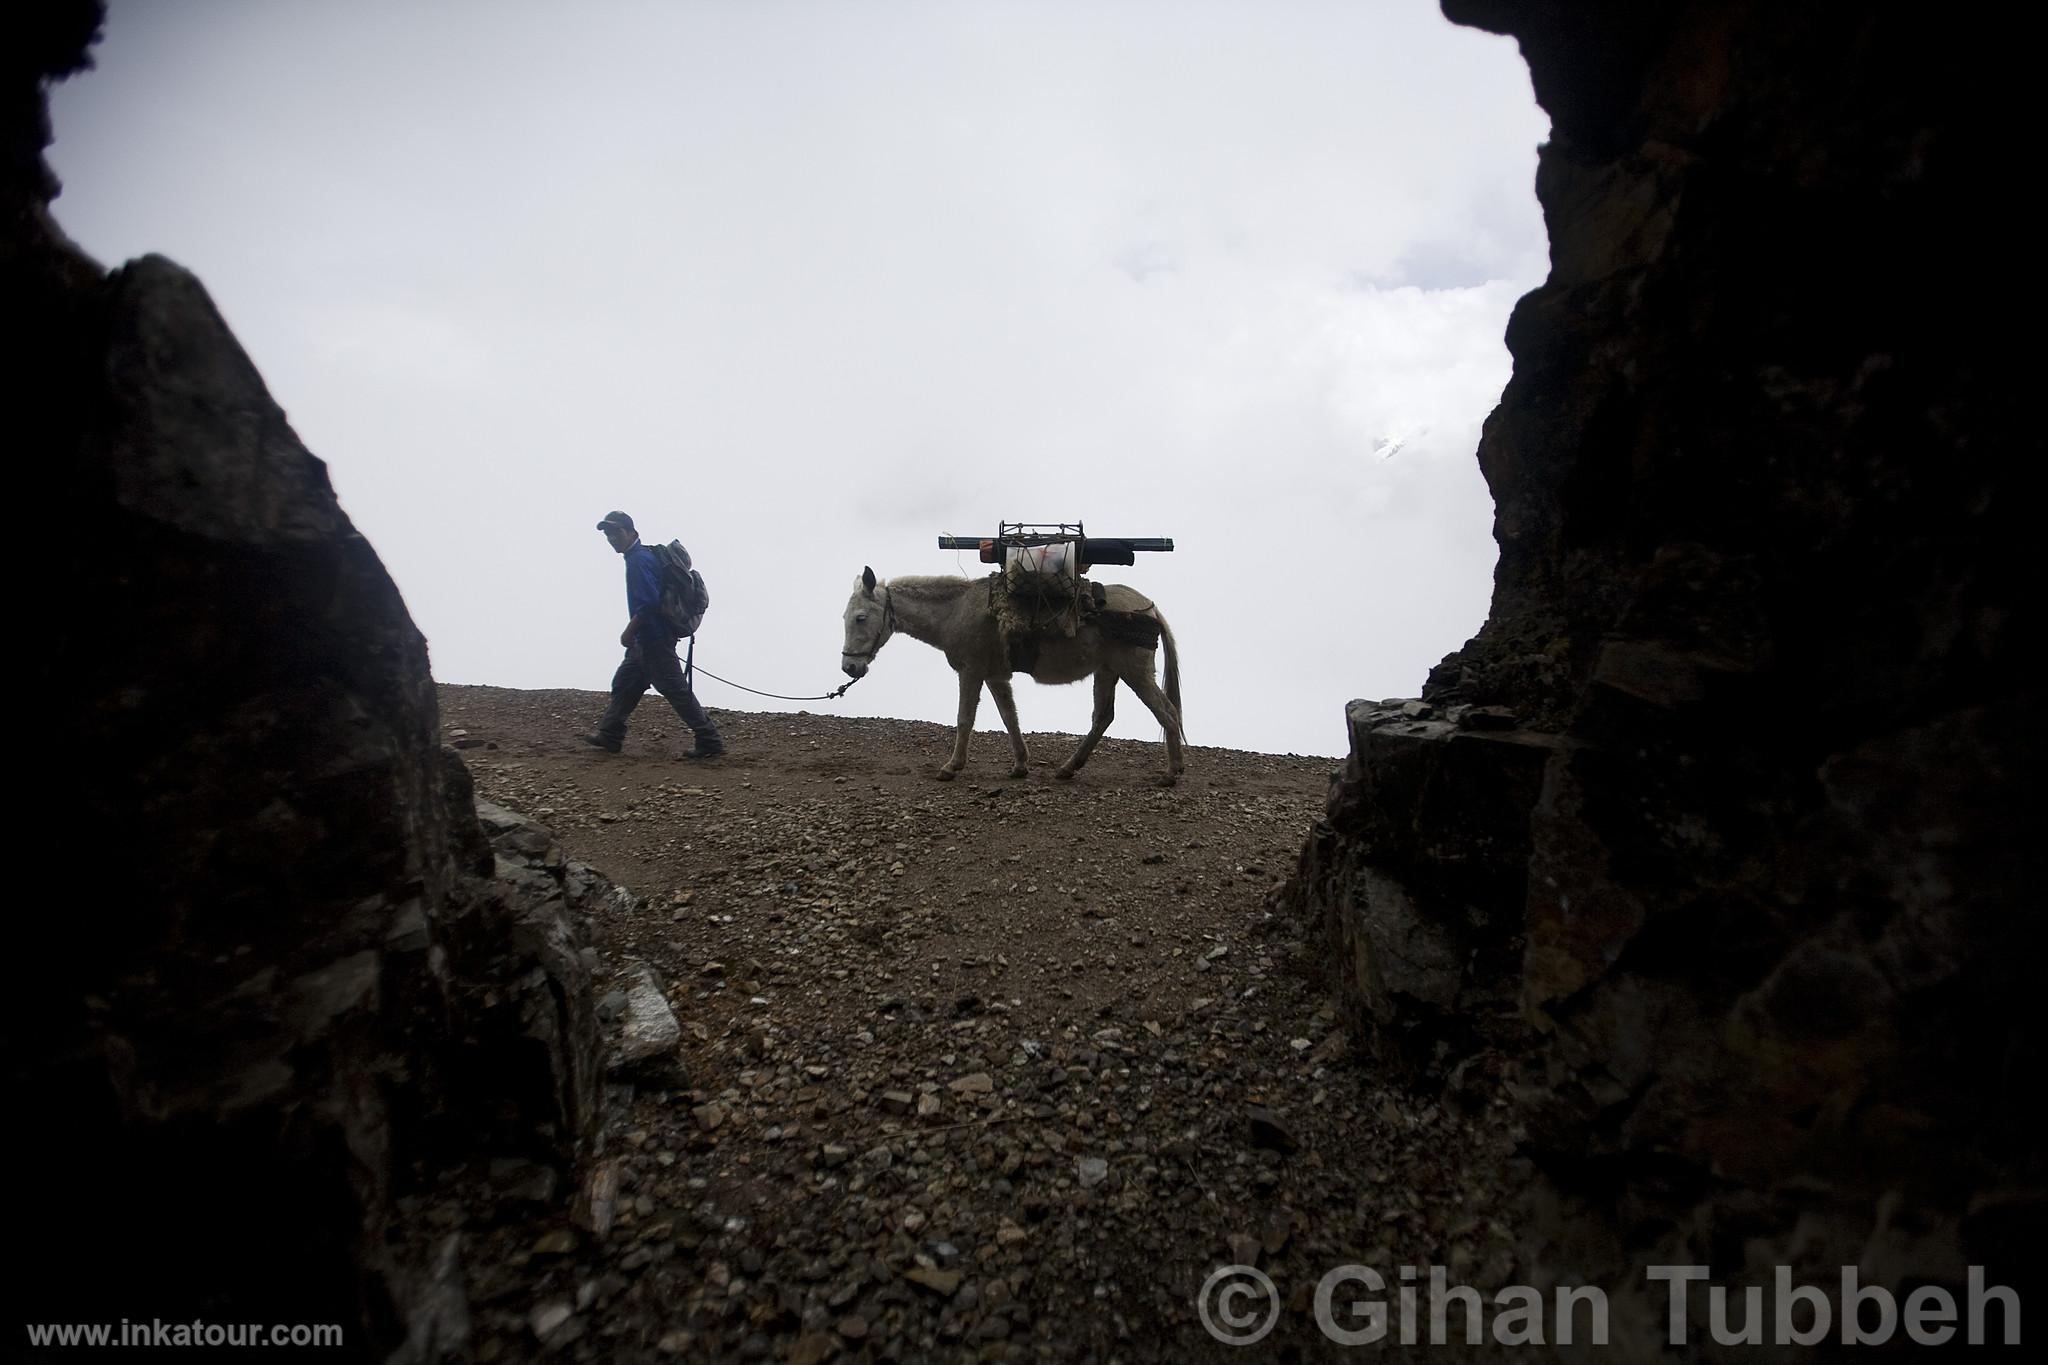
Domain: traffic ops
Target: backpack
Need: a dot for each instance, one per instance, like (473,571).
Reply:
(684,597)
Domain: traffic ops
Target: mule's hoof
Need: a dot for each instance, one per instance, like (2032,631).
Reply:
(1063,774)
(1020,771)
(1169,780)
(944,774)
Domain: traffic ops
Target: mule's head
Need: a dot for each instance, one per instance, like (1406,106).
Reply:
(870,621)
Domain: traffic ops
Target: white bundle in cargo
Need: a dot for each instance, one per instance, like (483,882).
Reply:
(1057,558)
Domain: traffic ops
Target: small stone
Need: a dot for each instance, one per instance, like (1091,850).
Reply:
(940,1282)
(814,1349)
(709,1116)
(1093,1170)
(897,1101)
(598,1209)
(560,1242)
(980,1083)
(651,1031)
(853,1327)
(547,1319)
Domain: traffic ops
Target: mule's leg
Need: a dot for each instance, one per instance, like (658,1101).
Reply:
(1006,702)
(1105,711)
(970,701)
(1162,707)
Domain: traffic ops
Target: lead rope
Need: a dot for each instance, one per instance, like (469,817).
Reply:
(822,696)
(888,624)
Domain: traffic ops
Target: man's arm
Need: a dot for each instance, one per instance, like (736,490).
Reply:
(632,630)
(646,582)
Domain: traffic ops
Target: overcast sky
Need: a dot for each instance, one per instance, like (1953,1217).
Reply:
(809,284)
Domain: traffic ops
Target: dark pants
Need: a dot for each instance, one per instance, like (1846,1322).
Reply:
(652,660)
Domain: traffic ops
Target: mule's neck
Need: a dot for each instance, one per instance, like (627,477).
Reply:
(924,603)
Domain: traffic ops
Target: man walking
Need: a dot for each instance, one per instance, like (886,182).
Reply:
(650,643)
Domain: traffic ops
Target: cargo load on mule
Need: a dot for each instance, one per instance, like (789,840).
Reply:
(1040,587)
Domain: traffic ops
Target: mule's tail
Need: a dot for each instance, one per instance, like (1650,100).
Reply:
(1172,672)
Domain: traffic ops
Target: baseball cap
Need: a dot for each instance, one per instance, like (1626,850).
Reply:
(618,519)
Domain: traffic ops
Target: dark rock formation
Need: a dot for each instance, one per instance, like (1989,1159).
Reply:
(1763,582)
(1420,871)
(279,982)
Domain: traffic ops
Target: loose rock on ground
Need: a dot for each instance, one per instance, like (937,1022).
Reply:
(997,1069)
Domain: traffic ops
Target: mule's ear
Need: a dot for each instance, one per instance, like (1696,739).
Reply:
(867,581)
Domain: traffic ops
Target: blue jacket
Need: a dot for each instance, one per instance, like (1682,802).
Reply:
(643,588)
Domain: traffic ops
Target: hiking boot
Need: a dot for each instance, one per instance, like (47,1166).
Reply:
(610,746)
(707,751)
